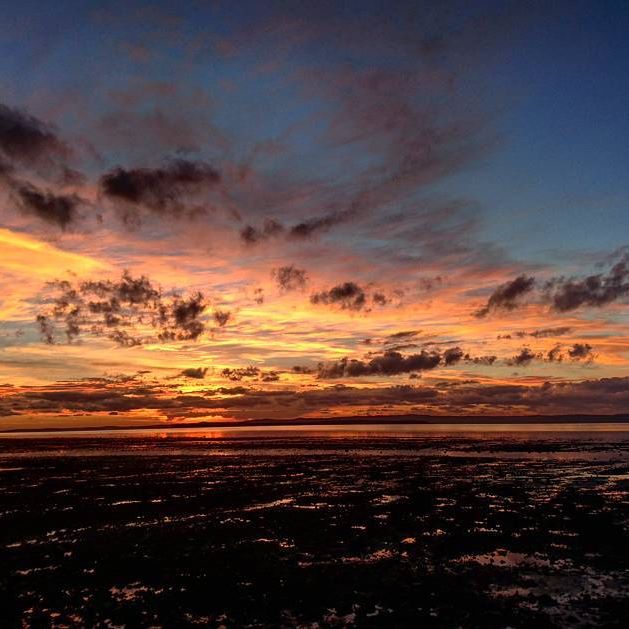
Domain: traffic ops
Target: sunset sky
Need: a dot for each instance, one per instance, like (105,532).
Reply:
(231,210)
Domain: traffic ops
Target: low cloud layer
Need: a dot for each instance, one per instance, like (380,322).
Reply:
(605,396)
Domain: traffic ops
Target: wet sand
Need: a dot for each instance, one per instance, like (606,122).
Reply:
(372,530)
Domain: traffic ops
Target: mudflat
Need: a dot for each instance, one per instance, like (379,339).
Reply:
(315,531)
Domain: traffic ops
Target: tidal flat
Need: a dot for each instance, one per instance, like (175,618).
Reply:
(510,530)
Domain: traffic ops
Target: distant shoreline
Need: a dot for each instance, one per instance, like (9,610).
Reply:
(344,421)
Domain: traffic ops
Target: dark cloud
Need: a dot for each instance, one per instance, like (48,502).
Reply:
(180,319)
(228,391)
(351,296)
(594,290)
(270,376)
(27,144)
(578,351)
(252,235)
(452,356)
(564,294)
(604,396)
(289,277)
(480,360)
(538,334)
(239,373)
(27,141)
(403,335)
(120,337)
(46,328)
(507,296)
(555,355)
(306,229)
(550,332)
(581,351)
(523,358)
(221,317)
(319,224)
(258,296)
(390,363)
(120,310)
(160,190)
(58,209)
(348,296)
(194,372)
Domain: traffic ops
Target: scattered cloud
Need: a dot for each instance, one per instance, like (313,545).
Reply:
(594,290)
(538,334)
(194,372)
(251,372)
(222,317)
(290,278)
(523,358)
(27,141)
(390,363)
(121,310)
(557,354)
(57,209)
(164,191)
(452,356)
(404,335)
(507,296)
(347,296)
(252,235)
(581,351)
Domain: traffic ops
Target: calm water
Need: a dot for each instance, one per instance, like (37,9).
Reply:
(359,430)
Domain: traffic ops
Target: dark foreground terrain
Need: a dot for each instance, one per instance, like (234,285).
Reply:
(315,532)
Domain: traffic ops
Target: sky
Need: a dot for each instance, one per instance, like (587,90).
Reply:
(230,211)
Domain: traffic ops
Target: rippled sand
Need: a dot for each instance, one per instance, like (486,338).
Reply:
(310,531)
